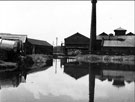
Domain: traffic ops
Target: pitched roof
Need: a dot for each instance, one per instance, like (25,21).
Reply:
(130,33)
(119,29)
(13,36)
(76,34)
(103,34)
(38,42)
(77,38)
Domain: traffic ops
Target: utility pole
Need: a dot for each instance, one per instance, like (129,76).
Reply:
(93,28)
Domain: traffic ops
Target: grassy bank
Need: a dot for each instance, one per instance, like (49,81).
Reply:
(35,60)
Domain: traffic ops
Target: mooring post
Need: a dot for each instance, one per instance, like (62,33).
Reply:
(92,46)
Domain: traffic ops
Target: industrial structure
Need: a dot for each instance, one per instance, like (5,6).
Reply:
(118,43)
(13,45)
(76,43)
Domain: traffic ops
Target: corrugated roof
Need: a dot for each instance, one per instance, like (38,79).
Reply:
(38,42)
(13,36)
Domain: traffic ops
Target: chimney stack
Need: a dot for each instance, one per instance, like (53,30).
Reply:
(93,28)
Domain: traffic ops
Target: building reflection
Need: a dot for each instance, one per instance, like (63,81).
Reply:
(116,73)
(15,77)
(76,69)
(11,79)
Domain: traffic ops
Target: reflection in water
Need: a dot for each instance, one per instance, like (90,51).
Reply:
(14,78)
(67,81)
(116,72)
(11,79)
(76,69)
(91,82)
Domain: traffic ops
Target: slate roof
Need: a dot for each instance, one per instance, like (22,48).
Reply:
(38,42)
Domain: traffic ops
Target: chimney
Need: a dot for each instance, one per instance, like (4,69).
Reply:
(93,27)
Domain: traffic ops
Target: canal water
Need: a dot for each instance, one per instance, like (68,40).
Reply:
(66,80)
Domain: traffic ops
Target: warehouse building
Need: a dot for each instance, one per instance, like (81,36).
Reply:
(117,43)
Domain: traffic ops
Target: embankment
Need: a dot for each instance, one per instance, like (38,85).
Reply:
(107,59)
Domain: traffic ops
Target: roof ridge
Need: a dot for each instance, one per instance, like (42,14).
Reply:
(39,42)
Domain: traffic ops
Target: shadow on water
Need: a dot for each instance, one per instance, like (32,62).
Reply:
(116,73)
(19,75)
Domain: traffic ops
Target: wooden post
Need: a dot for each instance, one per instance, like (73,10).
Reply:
(93,28)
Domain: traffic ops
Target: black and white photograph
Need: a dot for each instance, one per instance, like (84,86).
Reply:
(67,51)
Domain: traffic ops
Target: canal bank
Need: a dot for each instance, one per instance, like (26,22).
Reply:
(106,58)
(63,83)
(34,61)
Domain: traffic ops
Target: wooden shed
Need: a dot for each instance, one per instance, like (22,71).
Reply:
(34,46)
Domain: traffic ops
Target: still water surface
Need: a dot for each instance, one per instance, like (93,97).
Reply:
(70,81)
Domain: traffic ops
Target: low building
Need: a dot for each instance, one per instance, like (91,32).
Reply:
(118,43)
(121,43)
(119,46)
(13,45)
(34,46)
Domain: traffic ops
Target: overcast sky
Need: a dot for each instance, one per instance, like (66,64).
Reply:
(46,20)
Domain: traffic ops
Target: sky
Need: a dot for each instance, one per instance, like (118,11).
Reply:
(46,20)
